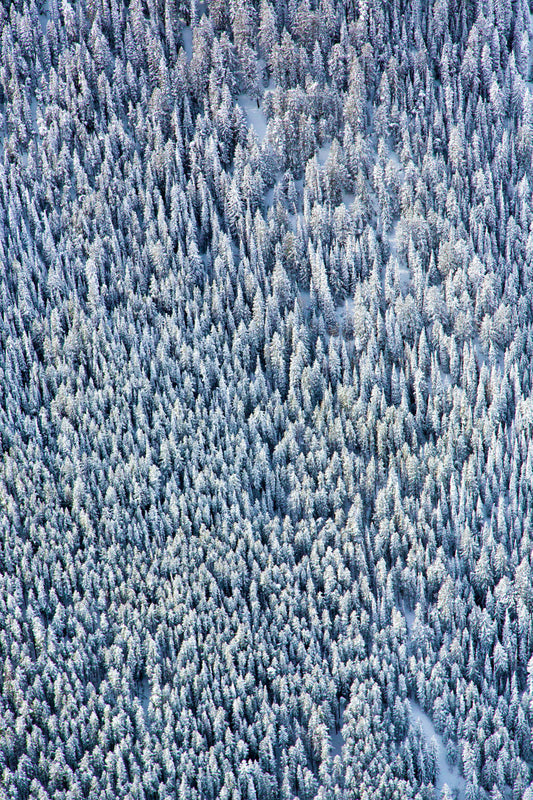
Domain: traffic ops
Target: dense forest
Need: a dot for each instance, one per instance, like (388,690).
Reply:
(266,424)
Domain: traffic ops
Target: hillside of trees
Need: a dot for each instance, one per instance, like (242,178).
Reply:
(266,413)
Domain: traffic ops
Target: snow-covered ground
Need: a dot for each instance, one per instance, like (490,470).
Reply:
(293,221)
(446,774)
(187,30)
(255,115)
(392,239)
(323,153)
(347,199)
(269,197)
(337,739)
(145,693)
(43,15)
(403,269)
(186,36)
(337,743)
(305,299)
(409,621)
(342,311)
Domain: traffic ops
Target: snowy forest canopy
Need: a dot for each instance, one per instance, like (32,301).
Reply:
(266,425)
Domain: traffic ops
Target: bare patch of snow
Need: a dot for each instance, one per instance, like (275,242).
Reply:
(323,153)
(304,299)
(293,221)
(145,693)
(186,37)
(255,115)
(446,379)
(336,737)
(269,197)
(43,15)
(299,186)
(33,107)
(343,311)
(445,773)
(392,239)
(404,276)
(347,199)
(337,743)
(409,620)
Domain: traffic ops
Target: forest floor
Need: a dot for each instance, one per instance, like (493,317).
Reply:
(445,773)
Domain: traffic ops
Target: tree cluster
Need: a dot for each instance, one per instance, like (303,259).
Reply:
(266,427)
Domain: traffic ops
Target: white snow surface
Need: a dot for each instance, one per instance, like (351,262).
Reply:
(337,742)
(348,199)
(145,693)
(446,774)
(392,239)
(323,153)
(337,739)
(255,116)
(409,620)
(186,35)
(187,30)
(304,298)
(293,221)
(43,15)
(343,310)
(403,269)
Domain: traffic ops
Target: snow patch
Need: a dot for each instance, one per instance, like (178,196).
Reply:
(304,299)
(392,239)
(348,199)
(299,187)
(323,153)
(145,692)
(293,221)
(445,773)
(409,621)
(186,38)
(336,737)
(269,197)
(254,116)
(43,15)
(343,311)
(403,270)
(337,743)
